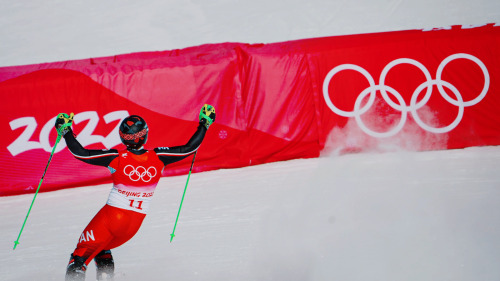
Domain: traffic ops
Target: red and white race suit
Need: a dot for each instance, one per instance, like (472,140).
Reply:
(135,174)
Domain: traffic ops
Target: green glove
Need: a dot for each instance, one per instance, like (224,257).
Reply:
(63,123)
(207,115)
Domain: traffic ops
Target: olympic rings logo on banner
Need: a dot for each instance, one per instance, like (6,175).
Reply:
(140,173)
(401,104)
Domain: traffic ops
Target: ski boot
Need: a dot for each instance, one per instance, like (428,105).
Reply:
(76,269)
(105,265)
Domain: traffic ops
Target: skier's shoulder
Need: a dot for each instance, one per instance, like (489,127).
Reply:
(95,153)
(167,151)
(161,149)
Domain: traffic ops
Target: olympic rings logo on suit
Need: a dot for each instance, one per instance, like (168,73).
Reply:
(140,173)
(414,105)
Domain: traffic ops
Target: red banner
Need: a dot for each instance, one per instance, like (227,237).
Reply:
(417,90)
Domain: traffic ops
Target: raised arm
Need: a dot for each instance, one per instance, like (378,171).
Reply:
(90,156)
(170,155)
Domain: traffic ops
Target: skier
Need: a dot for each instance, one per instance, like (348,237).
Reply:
(135,172)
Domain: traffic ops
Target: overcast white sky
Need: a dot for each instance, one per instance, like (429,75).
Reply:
(34,31)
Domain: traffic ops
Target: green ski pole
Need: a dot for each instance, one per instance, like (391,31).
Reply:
(182,200)
(59,135)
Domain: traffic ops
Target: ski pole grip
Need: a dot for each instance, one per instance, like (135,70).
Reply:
(68,121)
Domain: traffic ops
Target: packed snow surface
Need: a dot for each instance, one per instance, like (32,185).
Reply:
(382,216)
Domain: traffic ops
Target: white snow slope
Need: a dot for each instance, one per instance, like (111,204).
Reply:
(385,216)
(390,216)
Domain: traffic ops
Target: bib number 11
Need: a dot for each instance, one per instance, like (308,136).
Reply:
(136,204)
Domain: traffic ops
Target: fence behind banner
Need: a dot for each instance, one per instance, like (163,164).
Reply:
(416,90)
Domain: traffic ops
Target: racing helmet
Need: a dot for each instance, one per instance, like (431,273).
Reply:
(133,132)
